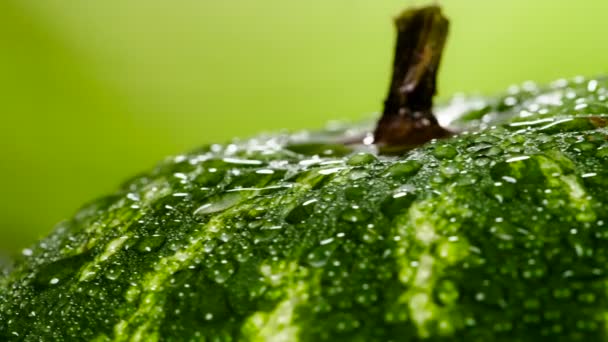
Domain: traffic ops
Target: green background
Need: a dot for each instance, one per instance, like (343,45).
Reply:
(92,92)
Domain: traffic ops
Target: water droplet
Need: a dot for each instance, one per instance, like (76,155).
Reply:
(398,203)
(221,203)
(221,271)
(445,152)
(453,250)
(242,251)
(362,158)
(354,193)
(346,323)
(516,159)
(354,214)
(330,171)
(319,256)
(133,197)
(302,211)
(357,173)
(150,243)
(114,272)
(62,269)
(404,169)
(592,85)
(266,232)
(242,161)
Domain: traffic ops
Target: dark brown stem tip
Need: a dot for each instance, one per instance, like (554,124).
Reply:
(407,119)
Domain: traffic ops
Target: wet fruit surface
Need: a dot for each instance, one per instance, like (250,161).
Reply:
(496,234)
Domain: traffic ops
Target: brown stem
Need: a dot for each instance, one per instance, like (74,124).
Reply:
(407,119)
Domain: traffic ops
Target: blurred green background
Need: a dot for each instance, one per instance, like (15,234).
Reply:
(92,92)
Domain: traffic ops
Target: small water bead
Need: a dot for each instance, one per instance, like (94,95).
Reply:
(354,214)
(133,197)
(220,271)
(445,152)
(397,312)
(209,245)
(586,146)
(362,158)
(238,161)
(453,251)
(222,202)
(366,297)
(449,170)
(355,192)
(404,169)
(319,149)
(399,201)
(302,211)
(114,272)
(479,147)
(358,173)
(346,323)
(242,251)
(266,232)
(320,255)
(150,243)
(493,151)
(210,177)
(482,161)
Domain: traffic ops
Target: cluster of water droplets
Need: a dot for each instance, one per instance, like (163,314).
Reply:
(498,230)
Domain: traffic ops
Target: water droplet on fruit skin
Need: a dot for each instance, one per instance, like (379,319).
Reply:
(221,270)
(320,255)
(362,158)
(397,203)
(150,243)
(354,214)
(302,211)
(404,169)
(114,272)
(266,232)
(221,203)
(445,152)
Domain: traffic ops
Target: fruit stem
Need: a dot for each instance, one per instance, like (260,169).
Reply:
(407,120)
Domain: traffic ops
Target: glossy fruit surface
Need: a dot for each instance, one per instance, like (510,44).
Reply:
(498,234)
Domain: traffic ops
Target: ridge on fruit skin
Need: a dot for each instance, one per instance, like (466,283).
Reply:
(495,234)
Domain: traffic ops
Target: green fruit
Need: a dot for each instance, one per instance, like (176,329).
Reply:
(494,234)
(497,234)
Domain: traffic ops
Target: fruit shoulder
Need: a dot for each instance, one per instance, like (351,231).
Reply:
(497,234)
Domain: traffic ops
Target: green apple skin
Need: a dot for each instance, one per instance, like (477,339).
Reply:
(498,233)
